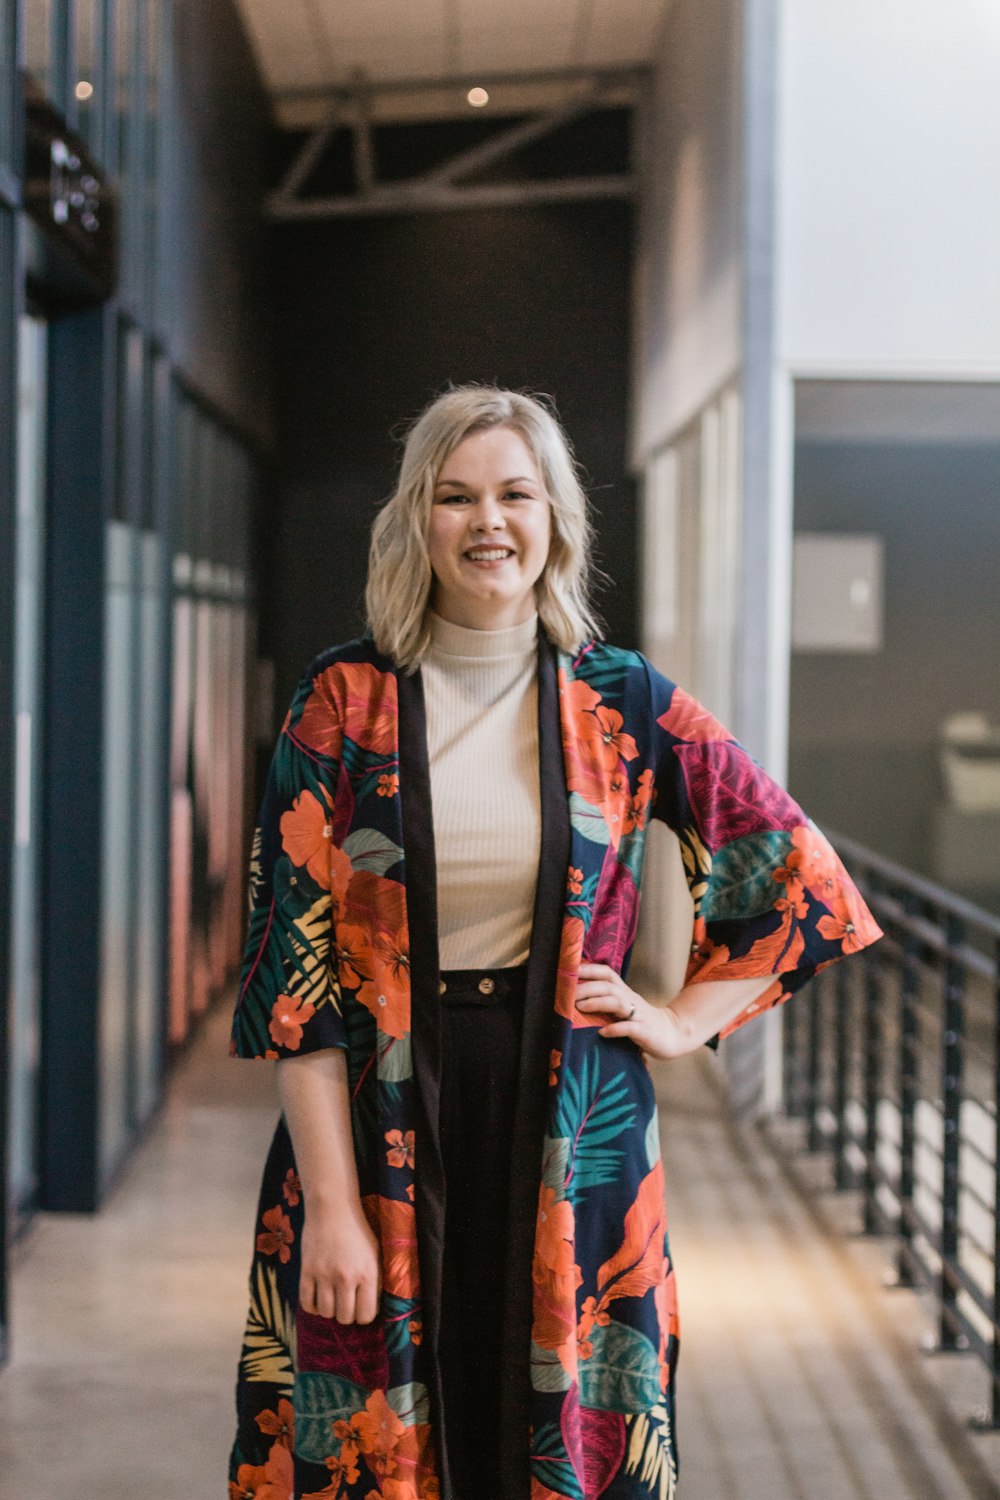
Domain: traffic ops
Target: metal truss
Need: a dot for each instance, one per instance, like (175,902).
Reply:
(444,187)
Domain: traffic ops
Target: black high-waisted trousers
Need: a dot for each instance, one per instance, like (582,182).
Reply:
(481,1014)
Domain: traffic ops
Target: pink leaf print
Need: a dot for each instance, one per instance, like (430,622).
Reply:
(355,1350)
(595,1442)
(617,906)
(731,796)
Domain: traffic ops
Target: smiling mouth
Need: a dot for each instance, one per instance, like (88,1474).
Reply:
(488,554)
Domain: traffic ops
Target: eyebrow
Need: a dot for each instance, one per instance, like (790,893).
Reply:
(461,484)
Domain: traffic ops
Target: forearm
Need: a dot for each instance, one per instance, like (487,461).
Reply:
(702,1010)
(315,1101)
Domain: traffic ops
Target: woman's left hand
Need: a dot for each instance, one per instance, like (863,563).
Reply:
(602,991)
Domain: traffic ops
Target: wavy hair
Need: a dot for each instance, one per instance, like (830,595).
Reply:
(399,570)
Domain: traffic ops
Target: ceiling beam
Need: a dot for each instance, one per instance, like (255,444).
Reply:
(407,198)
(506,142)
(625,77)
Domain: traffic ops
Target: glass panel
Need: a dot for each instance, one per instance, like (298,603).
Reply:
(38,41)
(28,631)
(150,880)
(8,93)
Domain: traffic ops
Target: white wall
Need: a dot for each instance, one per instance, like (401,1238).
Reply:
(688,307)
(888,165)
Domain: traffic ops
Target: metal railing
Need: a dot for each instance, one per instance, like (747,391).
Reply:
(893,1063)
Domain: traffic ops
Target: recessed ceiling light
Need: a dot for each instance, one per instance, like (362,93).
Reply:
(477,98)
(84,89)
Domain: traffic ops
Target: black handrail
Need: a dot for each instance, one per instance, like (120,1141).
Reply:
(893,1063)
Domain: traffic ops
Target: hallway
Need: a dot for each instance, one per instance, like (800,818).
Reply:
(790,1386)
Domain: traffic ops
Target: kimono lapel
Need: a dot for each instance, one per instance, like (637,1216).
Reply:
(536,1043)
(532,1102)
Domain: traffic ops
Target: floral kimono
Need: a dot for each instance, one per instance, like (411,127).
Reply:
(342,952)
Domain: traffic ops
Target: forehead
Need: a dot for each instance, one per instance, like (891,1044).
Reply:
(487,452)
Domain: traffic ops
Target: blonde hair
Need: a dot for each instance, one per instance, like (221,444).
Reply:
(399,569)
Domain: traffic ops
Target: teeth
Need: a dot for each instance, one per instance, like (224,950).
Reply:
(492,554)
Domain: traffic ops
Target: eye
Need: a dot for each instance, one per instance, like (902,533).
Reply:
(517,495)
(453,500)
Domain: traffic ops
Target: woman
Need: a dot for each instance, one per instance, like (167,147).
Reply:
(462,1283)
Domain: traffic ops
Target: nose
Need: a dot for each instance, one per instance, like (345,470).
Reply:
(488,516)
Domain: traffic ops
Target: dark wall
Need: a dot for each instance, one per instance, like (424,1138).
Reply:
(377,316)
(864,729)
(217,291)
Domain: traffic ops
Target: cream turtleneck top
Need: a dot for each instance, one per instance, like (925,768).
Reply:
(481,697)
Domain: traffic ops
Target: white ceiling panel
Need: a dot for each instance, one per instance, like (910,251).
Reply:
(311,44)
(530,48)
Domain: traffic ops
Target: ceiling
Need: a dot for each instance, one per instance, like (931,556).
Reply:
(421,56)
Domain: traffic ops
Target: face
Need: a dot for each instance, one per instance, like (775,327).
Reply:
(489,531)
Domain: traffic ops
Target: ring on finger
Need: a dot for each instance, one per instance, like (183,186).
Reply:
(631,1012)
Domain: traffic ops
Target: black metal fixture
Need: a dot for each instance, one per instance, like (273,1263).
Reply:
(72,214)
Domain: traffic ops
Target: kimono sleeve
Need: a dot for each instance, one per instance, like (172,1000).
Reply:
(771,895)
(289,1000)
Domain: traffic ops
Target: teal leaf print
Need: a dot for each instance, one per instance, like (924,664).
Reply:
(551,1464)
(547,1373)
(555,1163)
(631,852)
(319,1401)
(367,849)
(588,820)
(623,1372)
(592,1112)
(741,883)
(410,1403)
(653,1140)
(397,1314)
(395,1058)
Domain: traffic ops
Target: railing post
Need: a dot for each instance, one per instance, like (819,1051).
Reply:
(814,1047)
(791,1089)
(872,1084)
(908,1078)
(841,1066)
(952,1058)
(995,1369)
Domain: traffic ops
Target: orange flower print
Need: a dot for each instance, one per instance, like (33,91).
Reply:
(351,946)
(378,1431)
(616,744)
(556,1230)
(415,1329)
(556,1277)
(291,1188)
(388,785)
(387,993)
(344,1467)
(590,1314)
(278,1236)
(400,1153)
(848,925)
(305,837)
(288,1016)
(819,866)
(574,881)
(638,806)
(271,1481)
(789,875)
(279,1424)
(555,1058)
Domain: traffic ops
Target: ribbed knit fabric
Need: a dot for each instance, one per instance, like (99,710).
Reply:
(481,696)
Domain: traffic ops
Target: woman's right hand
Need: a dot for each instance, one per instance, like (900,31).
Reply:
(341,1268)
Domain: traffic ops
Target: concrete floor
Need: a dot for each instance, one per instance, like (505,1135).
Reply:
(799,1377)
